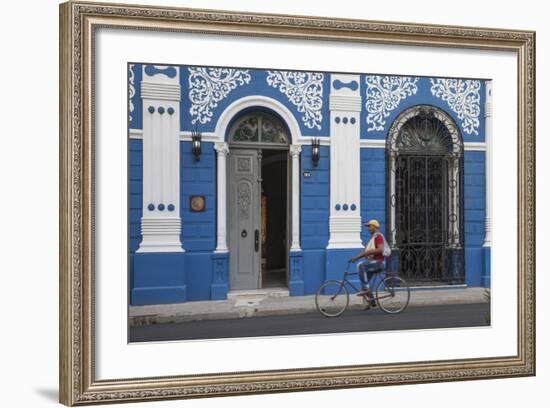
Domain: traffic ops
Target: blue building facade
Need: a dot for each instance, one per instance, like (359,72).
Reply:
(290,166)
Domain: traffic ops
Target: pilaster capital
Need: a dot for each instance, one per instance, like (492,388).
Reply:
(221,148)
(295,150)
(160,82)
(344,93)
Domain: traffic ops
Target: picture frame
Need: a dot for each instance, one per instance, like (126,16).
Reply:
(79,22)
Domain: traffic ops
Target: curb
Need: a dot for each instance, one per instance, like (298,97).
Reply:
(255,306)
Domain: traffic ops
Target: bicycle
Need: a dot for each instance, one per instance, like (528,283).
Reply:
(392,294)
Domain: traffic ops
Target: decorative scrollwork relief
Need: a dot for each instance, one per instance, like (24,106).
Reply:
(304,90)
(131,89)
(209,86)
(384,93)
(462,96)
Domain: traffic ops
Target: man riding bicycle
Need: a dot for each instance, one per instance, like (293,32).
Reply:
(375,261)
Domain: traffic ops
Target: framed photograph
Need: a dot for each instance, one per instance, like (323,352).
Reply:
(255,203)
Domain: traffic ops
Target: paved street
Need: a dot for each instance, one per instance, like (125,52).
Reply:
(414,317)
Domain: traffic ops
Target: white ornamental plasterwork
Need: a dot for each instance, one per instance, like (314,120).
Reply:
(304,90)
(209,86)
(131,88)
(462,96)
(384,93)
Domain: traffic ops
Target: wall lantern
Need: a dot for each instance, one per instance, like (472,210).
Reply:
(315,150)
(196,143)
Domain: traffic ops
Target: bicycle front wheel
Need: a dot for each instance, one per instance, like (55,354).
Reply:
(393,294)
(332,298)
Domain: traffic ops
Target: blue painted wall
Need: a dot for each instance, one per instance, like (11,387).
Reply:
(373,189)
(474,215)
(315,199)
(198,178)
(158,278)
(198,234)
(314,216)
(135,189)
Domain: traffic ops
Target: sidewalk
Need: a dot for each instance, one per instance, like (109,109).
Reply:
(273,302)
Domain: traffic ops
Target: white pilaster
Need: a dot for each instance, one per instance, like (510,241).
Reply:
(345,210)
(294,152)
(222,150)
(488,164)
(160,221)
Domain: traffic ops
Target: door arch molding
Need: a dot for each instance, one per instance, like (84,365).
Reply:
(257,101)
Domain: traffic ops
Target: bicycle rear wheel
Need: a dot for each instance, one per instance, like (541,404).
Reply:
(332,298)
(393,294)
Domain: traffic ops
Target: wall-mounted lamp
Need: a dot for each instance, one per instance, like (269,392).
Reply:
(196,143)
(315,150)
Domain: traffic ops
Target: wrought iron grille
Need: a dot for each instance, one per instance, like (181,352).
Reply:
(425,173)
(259,127)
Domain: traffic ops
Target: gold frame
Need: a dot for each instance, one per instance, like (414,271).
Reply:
(76,257)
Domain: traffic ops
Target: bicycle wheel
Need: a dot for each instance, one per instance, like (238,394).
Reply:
(332,298)
(393,294)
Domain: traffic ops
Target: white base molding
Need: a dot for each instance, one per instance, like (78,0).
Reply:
(345,232)
(160,235)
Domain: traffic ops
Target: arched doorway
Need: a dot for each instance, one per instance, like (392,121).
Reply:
(424,162)
(258,200)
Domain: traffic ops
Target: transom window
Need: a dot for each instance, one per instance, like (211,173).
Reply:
(424,134)
(259,127)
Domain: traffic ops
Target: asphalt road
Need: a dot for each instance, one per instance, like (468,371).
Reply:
(414,317)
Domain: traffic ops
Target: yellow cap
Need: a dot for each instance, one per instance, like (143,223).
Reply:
(373,222)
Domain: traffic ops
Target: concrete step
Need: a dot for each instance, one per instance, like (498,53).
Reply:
(263,292)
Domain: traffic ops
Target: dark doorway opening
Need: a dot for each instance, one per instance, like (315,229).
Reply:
(274,218)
